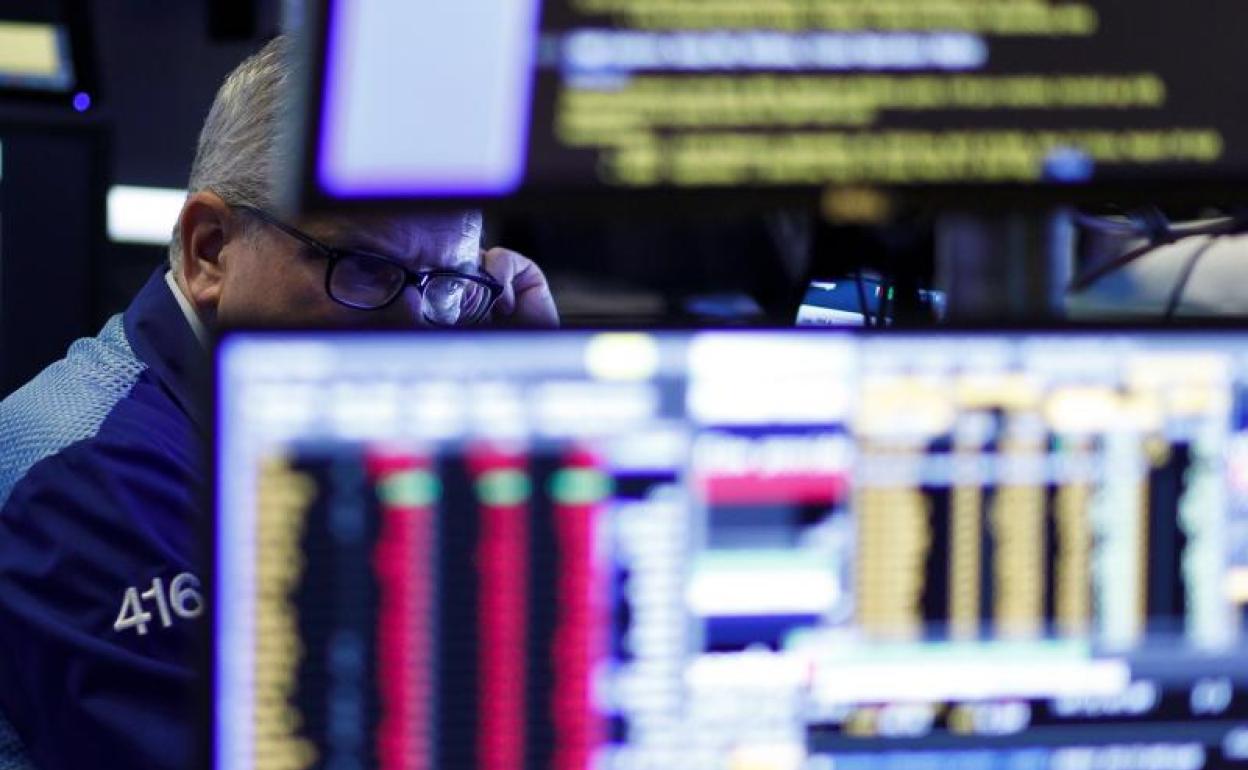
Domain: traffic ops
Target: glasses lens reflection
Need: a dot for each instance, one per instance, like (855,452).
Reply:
(454,300)
(365,282)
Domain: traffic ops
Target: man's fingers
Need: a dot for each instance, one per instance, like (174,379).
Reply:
(501,264)
(526,299)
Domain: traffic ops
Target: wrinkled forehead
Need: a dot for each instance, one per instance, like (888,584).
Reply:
(450,239)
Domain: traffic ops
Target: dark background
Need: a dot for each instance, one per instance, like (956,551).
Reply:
(157,66)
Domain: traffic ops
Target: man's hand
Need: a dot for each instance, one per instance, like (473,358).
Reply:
(526,298)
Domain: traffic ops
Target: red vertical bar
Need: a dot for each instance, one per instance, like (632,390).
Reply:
(502,613)
(403,563)
(580,634)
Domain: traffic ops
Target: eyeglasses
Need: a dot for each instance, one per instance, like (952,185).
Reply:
(366,281)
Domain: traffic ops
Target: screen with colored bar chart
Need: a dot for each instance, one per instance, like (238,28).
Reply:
(748,550)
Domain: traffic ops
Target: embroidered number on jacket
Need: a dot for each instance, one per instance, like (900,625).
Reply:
(181,599)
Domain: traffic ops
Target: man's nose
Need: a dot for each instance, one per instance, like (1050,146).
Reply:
(406,310)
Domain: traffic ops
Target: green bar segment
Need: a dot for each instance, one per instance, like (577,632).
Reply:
(503,487)
(579,486)
(409,489)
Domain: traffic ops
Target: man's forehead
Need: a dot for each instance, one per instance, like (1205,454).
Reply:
(444,237)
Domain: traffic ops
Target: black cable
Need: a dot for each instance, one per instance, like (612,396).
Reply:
(1234,224)
(1154,225)
(881,313)
(1089,277)
(1176,294)
(862,299)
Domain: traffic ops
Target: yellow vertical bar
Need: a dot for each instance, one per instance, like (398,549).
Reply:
(1073,578)
(965,560)
(892,544)
(1142,558)
(283,496)
(1018,563)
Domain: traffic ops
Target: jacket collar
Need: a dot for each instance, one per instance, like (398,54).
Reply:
(162,338)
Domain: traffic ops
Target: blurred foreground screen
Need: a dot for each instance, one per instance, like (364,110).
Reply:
(773,551)
(482,98)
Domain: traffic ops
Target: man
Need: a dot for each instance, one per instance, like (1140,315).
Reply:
(101,454)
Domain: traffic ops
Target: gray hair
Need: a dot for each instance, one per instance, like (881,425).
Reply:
(237,155)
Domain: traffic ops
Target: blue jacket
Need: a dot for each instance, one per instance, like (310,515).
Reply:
(101,476)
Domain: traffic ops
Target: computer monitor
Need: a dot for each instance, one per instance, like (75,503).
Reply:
(480,99)
(46,53)
(796,550)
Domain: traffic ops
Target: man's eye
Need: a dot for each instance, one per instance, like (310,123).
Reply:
(447,288)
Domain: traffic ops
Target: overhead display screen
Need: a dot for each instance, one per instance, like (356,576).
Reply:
(46,53)
(34,56)
(493,97)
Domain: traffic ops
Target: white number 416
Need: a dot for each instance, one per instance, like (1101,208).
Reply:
(183,597)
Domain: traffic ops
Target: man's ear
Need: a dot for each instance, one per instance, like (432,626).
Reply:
(205,229)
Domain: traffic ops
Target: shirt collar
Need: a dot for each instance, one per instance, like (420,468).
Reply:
(192,317)
(161,327)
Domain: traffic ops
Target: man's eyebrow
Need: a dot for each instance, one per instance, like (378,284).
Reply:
(365,240)
(358,241)
(362,242)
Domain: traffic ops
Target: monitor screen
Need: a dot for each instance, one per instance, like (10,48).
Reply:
(485,98)
(801,550)
(35,56)
(45,52)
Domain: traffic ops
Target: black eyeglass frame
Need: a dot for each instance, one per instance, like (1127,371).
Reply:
(418,278)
